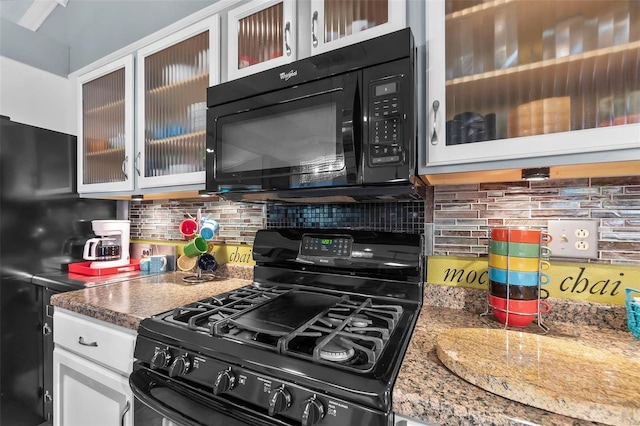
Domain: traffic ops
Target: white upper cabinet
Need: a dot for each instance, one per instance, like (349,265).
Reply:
(105,128)
(261,35)
(338,23)
(172,77)
(531,83)
(166,149)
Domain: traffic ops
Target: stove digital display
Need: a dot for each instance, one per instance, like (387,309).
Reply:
(327,247)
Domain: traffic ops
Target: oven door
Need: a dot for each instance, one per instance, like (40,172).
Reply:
(164,402)
(304,136)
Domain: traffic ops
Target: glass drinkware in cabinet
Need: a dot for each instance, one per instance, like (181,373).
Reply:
(529,67)
(176,79)
(344,18)
(260,36)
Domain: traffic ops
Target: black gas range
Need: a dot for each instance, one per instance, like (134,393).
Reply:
(318,338)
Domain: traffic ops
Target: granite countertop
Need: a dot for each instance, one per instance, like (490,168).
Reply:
(425,388)
(127,303)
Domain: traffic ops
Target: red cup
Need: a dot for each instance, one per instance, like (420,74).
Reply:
(188,227)
(517,313)
(515,235)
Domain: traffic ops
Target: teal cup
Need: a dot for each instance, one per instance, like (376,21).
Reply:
(518,278)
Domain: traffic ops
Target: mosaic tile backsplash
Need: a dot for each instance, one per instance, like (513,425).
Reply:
(158,220)
(392,217)
(463,213)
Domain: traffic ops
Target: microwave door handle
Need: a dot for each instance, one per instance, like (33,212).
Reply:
(357,126)
(287,35)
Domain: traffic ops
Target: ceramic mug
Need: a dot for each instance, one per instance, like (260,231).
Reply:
(144,264)
(196,247)
(157,263)
(517,235)
(186,263)
(207,262)
(517,313)
(209,229)
(188,227)
(518,278)
(518,249)
(518,292)
(522,264)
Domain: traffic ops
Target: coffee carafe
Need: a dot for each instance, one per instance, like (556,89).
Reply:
(111,248)
(101,249)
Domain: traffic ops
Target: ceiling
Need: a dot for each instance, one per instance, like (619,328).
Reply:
(92,29)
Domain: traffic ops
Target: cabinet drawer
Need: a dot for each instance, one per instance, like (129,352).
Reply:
(99,341)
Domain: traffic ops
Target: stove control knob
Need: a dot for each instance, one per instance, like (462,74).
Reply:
(312,411)
(225,381)
(180,366)
(279,401)
(160,359)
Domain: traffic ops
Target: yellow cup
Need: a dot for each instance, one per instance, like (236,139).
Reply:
(521,264)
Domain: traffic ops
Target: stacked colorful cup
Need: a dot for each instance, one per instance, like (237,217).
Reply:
(517,259)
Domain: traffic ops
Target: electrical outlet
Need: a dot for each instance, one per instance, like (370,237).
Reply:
(573,238)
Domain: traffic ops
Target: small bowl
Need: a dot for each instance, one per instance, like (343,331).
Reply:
(517,313)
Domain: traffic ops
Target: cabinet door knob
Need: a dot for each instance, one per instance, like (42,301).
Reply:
(314,22)
(135,164)
(124,162)
(287,34)
(434,136)
(82,342)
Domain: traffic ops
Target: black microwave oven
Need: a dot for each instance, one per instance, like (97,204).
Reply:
(339,125)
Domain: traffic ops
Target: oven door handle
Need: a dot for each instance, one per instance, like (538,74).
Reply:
(142,383)
(187,407)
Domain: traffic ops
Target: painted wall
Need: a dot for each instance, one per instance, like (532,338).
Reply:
(32,96)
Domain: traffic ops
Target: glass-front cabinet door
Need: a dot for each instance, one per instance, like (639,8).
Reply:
(532,79)
(261,35)
(105,128)
(173,75)
(337,23)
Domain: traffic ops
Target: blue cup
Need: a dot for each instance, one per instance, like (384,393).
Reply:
(157,263)
(518,278)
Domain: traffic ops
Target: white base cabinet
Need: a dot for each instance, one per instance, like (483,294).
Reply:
(92,361)
(88,394)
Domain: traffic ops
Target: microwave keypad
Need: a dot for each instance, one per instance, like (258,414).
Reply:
(385,130)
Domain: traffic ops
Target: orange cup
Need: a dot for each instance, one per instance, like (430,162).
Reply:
(518,235)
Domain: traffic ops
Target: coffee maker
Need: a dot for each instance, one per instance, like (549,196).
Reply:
(111,248)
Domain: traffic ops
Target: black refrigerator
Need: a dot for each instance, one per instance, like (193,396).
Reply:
(40,212)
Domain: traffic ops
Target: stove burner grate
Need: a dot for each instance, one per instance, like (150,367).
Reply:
(203,314)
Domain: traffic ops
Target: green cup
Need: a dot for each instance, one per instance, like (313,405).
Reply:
(504,248)
(195,247)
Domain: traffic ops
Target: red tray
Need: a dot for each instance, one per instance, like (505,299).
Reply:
(84,269)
